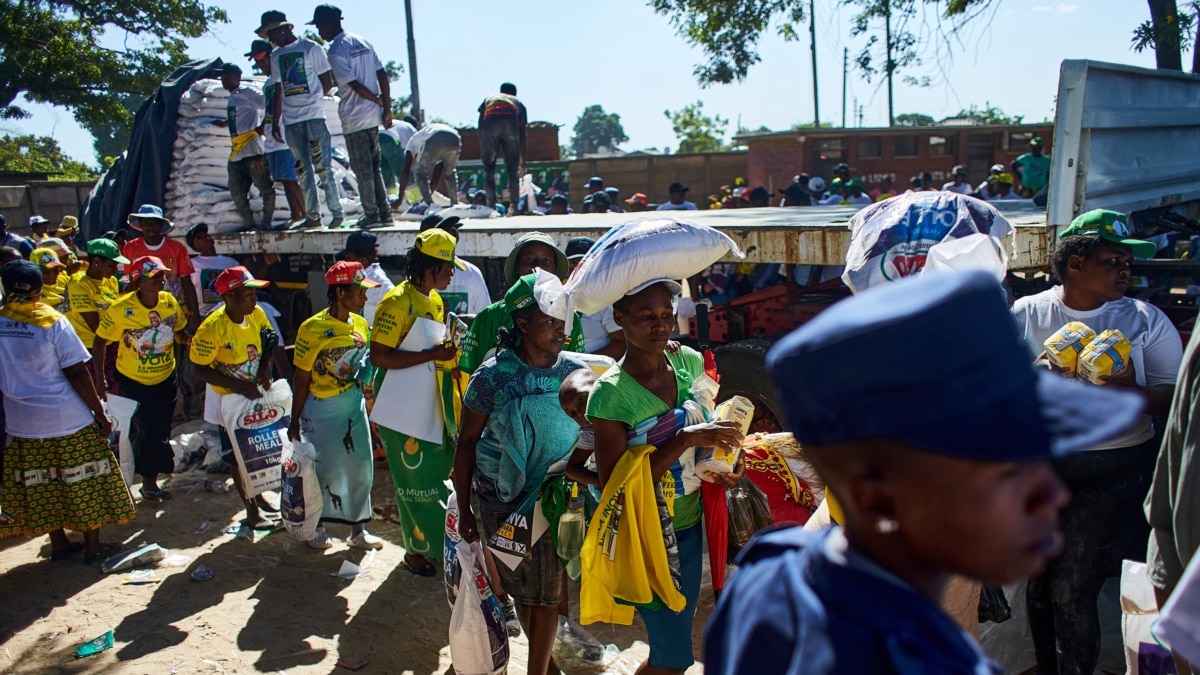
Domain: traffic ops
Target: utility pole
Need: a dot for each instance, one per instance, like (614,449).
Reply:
(845,70)
(812,24)
(887,31)
(412,64)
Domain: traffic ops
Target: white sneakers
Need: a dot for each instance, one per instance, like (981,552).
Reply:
(321,540)
(365,540)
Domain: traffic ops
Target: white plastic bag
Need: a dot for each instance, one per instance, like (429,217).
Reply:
(300,501)
(1144,655)
(972,252)
(478,637)
(120,410)
(451,569)
(1179,626)
(258,429)
(638,251)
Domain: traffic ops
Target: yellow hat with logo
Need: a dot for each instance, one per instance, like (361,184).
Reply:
(439,245)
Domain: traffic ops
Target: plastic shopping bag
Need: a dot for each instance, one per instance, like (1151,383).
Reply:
(121,410)
(451,569)
(300,501)
(749,512)
(1144,655)
(258,429)
(478,637)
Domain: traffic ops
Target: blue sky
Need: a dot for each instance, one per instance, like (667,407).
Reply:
(564,56)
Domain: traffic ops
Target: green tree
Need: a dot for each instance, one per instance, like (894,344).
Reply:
(62,52)
(991,115)
(401,105)
(41,154)
(595,129)
(1168,32)
(914,120)
(696,131)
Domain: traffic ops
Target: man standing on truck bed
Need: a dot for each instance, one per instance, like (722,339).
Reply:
(1032,168)
(248,158)
(366,103)
(300,70)
(502,121)
(279,155)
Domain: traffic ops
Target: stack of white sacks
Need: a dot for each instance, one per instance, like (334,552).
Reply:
(198,190)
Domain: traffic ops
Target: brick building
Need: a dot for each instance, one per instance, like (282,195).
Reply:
(542,143)
(897,152)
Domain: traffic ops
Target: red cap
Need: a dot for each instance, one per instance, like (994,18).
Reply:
(146,266)
(234,278)
(346,273)
(639,198)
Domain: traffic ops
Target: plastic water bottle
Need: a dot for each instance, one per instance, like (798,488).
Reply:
(212,485)
(571,530)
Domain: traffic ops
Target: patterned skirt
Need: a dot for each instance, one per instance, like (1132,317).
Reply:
(70,482)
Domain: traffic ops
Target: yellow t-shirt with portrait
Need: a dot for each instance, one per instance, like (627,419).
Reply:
(145,336)
(88,295)
(228,347)
(399,309)
(334,351)
(55,294)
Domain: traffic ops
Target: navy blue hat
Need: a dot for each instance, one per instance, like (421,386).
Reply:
(936,362)
(21,277)
(578,247)
(595,181)
(230,67)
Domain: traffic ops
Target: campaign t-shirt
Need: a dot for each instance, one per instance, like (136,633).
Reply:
(480,343)
(298,68)
(233,349)
(268,137)
(145,336)
(334,352)
(173,254)
(244,112)
(1157,350)
(1035,170)
(88,295)
(205,270)
(353,59)
(618,397)
(398,311)
(39,402)
(668,206)
(467,292)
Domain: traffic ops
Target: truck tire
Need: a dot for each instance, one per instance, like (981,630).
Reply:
(743,370)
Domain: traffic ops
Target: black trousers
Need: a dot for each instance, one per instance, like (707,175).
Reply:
(1100,523)
(151,424)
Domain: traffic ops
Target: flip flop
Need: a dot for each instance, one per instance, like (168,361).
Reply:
(158,495)
(58,555)
(264,505)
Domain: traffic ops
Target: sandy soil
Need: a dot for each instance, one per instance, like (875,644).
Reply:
(271,607)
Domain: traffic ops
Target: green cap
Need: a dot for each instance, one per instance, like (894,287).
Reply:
(520,294)
(107,248)
(510,264)
(1109,226)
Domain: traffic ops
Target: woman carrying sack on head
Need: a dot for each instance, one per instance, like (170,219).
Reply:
(513,429)
(59,470)
(142,324)
(328,407)
(419,467)
(645,439)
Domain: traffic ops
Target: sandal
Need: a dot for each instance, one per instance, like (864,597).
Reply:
(106,551)
(263,523)
(264,505)
(426,570)
(60,554)
(159,495)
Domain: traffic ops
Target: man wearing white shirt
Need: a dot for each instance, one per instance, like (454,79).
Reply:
(678,199)
(468,292)
(959,184)
(362,247)
(431,161)
(248,158)
(301,72)
(366,103)
(279,155)
(392,143)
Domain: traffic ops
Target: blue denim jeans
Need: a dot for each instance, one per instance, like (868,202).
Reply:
(310,144)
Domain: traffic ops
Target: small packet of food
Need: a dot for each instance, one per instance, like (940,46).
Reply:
(1063,348)
(1104,357)
(716,461)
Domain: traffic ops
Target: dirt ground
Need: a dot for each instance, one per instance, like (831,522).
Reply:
(272,606)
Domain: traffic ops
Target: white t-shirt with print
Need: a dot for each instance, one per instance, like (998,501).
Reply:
(39,402)
(668,206)
(596,329)
(353,59)
(244,112)
(467,292)
(375,273)
(1157,349)
(962,189)
(297,69)
(206,269)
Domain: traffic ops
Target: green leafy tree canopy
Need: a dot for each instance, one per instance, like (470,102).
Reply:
(595,129)
(696,131)
(41,154)
(991,115)
(56,52)
(914,120)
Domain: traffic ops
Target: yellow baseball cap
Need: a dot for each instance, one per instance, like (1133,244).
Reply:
(438,244)
(45,258)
